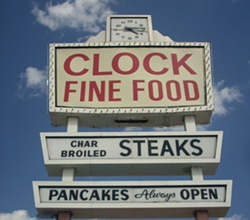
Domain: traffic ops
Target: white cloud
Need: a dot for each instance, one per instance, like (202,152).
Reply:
(223,96)
(18,214)
(33,81)
(235,217)
(85,15)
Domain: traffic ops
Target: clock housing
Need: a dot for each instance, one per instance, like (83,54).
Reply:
(129,28)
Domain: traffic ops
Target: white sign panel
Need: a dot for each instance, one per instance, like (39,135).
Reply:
(131,152)
(130,77)
(132,197)
(108,79)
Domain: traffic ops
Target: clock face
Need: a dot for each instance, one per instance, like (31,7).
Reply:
(129,29)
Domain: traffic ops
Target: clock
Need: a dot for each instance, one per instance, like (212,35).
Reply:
(129,28)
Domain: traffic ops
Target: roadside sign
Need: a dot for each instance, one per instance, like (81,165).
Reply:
(115,84)
(134,199)
(152,81)
(125,153)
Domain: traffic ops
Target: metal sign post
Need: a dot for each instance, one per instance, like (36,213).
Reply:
(68,173)
(64,216)
(201,215)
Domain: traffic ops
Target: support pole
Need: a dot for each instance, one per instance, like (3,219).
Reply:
(189,123)
(201,215)
(190,126)
(68,173)
(72,125)
(64,216)
(196,172)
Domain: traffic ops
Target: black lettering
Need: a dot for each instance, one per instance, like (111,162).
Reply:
(125,148)
(96,152)
(73,194)
(169,195)
(115,194)
(213,193)
(200,151)
(89,155)
(79,153)
(94,195)
(152,194)
(185,194)
(71,153)
(73,144)
(204,193)
(94,144)
(86,144)
(123,193)
(181,147)
(194,192)
(64,153)
(168,149)
(103,153)
(81,194)
(150,148)
(52,193)
(80,143)
(144,193)
(62,195)
(138,146)
(105,194)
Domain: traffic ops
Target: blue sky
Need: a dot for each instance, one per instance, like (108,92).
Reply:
(26,29)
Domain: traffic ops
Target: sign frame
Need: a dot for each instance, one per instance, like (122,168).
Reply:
(134,209)
(130,116)
(136,166)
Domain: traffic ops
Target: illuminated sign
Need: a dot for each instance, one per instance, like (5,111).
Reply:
(130,79)
(143,153)
(133,199)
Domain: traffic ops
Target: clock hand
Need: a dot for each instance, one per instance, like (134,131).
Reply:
(130,29)
(143,28)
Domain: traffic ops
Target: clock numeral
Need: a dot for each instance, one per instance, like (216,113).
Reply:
(122,37)
(141,33)
(117,33)
(118,25)
(123,22)
(141,25)
(129,38)
(115,29)
(130,21)
(136,36)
